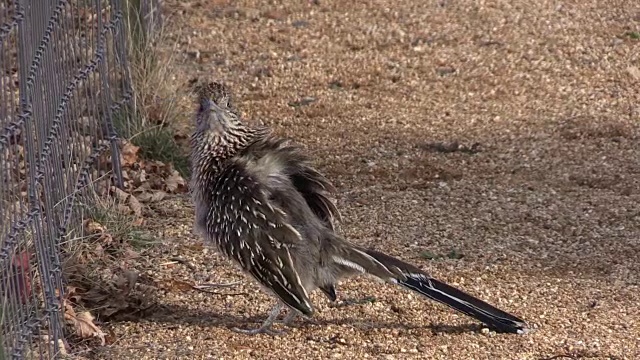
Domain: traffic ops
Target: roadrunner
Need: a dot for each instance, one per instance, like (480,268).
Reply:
(259,200)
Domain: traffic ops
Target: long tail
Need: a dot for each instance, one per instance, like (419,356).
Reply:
(410,277)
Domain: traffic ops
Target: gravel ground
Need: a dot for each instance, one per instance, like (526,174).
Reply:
(507,132)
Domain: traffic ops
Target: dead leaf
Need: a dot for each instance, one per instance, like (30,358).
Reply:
(69,313)
(99,250)
(135,205)
(71,290)
(21,282)
(139,177)
(106,239)
(153,196)
(158,195)
(126,282)
(123,209)
(129,153)
(111,337)
(72,294)
(62,348)
(85,328)
(82,322)
(155,167)
(95,296)
(93,227)
(120,194)
(174,181)
(142,188)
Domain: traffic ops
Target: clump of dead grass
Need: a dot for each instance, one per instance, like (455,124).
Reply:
(98,264)
(148,121)
(116,213)
(110,230)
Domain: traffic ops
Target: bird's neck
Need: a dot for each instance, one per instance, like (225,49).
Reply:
(211,149)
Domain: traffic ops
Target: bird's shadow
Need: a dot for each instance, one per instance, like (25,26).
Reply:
(182,315)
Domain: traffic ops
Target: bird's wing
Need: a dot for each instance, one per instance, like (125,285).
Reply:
(309,182)
(256,233)
(316,190)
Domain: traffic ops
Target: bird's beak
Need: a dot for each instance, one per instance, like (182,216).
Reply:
(213,106)
(220,114)
(219,110)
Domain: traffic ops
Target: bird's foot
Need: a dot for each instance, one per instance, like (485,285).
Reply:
(288,320)
(260,330)
(293,315)
(265,328)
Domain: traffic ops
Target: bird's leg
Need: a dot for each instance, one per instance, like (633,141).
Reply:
(290,317)
(265,328)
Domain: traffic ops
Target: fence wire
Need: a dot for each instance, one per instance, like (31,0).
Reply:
(63,79)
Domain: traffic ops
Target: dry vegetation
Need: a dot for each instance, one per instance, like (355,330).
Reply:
(494,143)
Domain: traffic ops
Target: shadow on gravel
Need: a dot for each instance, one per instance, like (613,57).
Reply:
(182,315)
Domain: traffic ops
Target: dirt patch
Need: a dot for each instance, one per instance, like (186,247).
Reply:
(545,211)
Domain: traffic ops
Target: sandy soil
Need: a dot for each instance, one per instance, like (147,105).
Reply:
(541,197)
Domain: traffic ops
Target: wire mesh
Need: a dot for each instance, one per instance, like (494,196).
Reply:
(63,76)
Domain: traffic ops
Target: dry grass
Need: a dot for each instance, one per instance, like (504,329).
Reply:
(544,210)
(148,122)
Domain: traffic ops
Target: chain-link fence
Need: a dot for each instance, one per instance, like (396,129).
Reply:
(63,81)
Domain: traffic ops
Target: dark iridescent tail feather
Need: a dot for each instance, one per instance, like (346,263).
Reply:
(465,303)
(416,280)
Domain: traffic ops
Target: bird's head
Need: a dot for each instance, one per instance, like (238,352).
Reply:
(216,113)
(219,132)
